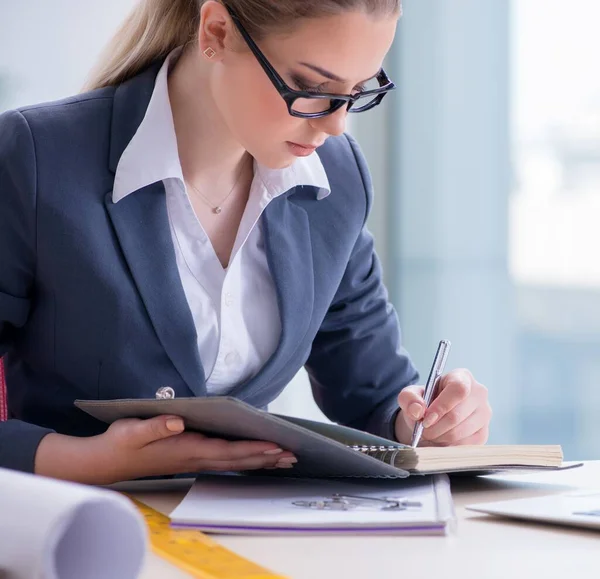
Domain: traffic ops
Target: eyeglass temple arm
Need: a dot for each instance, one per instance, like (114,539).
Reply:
(257,52)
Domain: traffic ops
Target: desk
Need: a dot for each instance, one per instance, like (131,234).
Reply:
(482,547)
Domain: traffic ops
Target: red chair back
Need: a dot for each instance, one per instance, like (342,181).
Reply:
(3,403)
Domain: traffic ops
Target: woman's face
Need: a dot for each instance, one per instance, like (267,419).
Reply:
(351,46)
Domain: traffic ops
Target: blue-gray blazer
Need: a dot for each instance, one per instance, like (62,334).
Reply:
(92,306)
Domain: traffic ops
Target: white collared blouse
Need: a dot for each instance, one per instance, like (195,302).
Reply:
(235,309)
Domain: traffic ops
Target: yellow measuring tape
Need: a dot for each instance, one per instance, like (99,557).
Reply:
(195,552)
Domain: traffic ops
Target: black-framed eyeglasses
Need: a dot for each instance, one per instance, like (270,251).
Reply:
(309,104)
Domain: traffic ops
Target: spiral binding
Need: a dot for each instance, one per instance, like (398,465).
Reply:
(383,453)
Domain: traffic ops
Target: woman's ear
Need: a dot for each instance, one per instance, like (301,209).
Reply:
(215,30)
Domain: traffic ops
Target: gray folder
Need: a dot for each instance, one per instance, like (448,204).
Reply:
(322,450)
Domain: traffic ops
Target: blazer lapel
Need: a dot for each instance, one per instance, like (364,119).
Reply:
(289,255)
(130,103)
(141,224)
(142,227)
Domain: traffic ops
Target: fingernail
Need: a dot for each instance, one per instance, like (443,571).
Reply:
(430,420)
(284,465)
(175,424)
(415,411)
(287,460)
(273,451)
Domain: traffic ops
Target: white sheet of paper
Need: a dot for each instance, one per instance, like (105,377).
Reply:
(51,529)
(578,509)
(252,504)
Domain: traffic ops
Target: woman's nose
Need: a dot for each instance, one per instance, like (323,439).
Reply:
(333,124)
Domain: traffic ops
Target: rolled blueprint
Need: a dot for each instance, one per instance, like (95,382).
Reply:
(52,529)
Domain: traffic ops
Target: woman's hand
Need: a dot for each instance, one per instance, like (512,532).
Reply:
(133,448)
(459,414)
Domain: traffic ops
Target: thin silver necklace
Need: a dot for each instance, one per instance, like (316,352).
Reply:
(217,209)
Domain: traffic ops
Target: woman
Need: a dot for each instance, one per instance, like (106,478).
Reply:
(196,220)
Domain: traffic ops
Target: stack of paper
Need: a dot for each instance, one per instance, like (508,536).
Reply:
(255,504)
(577,509)
(57,530)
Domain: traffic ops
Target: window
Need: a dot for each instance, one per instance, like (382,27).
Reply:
(554,216)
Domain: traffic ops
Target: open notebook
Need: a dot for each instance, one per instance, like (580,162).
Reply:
(326,450)
(257,504)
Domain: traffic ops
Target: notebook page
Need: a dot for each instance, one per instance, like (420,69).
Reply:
(260,504)
(448,457)
(58,530)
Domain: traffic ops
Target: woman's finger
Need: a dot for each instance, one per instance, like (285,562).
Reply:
(206,448)
(452,390)
(411,402)
(136,433)
(479,437)
(192,446)
(452,419)
(467,428)
(249,463)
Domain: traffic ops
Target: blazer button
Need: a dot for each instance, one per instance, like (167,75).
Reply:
(165,393)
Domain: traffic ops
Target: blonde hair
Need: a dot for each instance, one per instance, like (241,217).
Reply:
(155,27)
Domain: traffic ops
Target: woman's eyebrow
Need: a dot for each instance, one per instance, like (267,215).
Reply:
(332,76)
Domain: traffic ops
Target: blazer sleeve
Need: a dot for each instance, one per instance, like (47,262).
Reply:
(357,365)
(18,440)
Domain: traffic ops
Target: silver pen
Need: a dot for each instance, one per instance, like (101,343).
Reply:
(437,368)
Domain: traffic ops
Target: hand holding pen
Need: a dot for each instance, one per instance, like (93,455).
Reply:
(437,369)
(450,409)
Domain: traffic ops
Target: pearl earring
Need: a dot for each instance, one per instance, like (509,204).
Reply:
(209,52)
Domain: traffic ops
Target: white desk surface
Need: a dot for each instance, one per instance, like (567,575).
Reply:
(482,547)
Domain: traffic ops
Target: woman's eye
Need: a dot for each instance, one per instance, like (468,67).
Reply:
(303,85)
